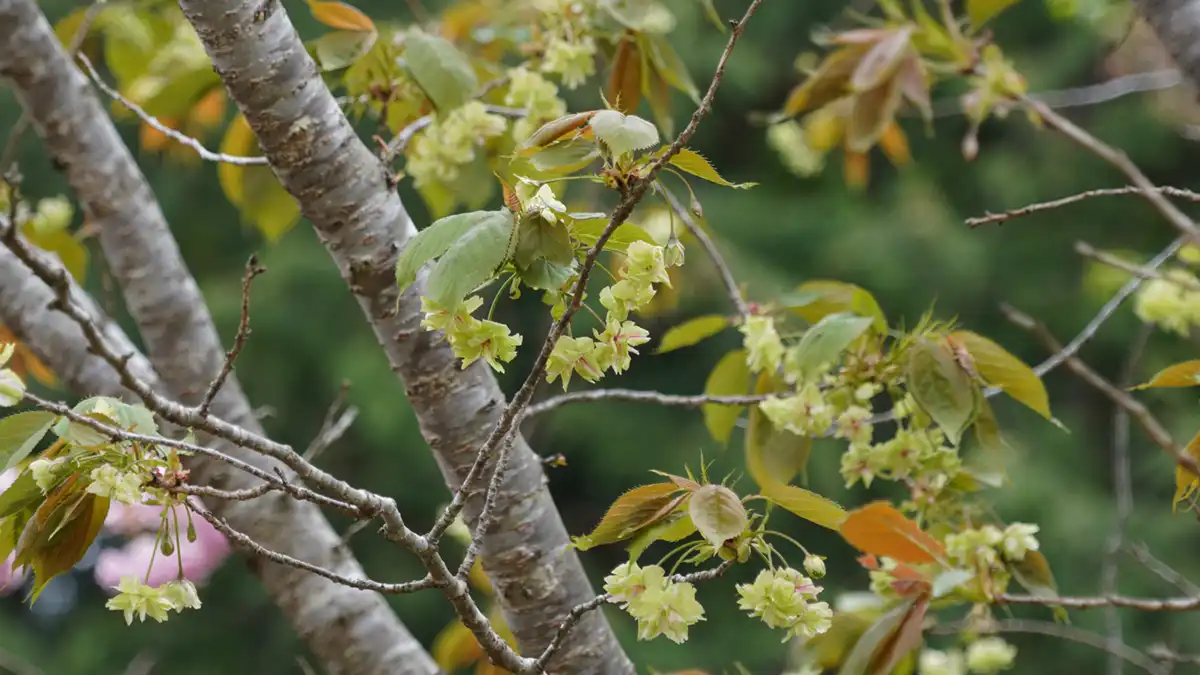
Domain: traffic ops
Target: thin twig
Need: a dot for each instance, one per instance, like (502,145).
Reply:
(1075,198)
(1120,161)
(1063,632)
(714,254)
(1154,429)
(486,515)
(658,398)
(1088,251)
(1161,652)
(631,195)
(253,269)
(1092,94)
(174,134)
(250,546)
(1123,492)
(331,433)
(1142,554)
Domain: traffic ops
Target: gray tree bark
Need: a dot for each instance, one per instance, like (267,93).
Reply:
(350,631)
(1177,24)
(343,189)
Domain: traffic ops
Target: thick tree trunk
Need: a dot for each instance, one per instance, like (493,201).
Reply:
(350,631)
(342,189)
(1177,24)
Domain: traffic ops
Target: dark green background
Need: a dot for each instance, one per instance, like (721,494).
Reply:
(903,239)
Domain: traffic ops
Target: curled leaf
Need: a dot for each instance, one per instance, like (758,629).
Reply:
(717,513)
(1185,374)
(623,133)
(943,389)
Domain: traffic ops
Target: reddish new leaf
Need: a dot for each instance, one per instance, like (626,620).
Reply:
(879,529)
(638,508)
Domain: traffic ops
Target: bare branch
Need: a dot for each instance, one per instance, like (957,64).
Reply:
(1075,198)
(239,341)
(1141,553)
(173,134)
(1088,251)
(249,545)
(714,254)
(1154,429)
(658,398)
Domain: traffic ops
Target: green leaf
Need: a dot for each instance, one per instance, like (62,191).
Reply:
(564,158)
(440,70)
(254,190)
(20,434)
(1003,370)
(806,504)
(675,527)
(470,263)
(340,48)
(545,275)
(69,249)
(692,331)
(1185,374)
(947,581)
(1034,575)
(822,344)
(875,639)
(22,494)
(730,377)
(982,11)
(537,238)
(436,239)
(669,66)
(773,455)
(710,13)
(587,231)
(632,511)
(692,162)
(717,513)
(177,97)
(941,387)
(819,298)
(624,133)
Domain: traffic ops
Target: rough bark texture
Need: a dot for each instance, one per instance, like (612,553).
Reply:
(1177,24)
(350,631)
(342,189)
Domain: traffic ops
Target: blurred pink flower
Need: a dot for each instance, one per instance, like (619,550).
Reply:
(200,558)
(130,520)
(9,581)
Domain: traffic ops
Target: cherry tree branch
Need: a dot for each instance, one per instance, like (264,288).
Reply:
(714,254)
(657,398)
(1088,251)
(1005,216)
(239,340)
(1154,429)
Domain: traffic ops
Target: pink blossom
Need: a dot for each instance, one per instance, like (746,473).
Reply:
(200,558)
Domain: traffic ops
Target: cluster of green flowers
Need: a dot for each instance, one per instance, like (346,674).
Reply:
(916,453)
(790,142)
(645,265)
(12,389)
(1171,302)
(984,657)
(450,142)
(660,605)
(470,338)
(988,545)
(537,96)
(785,598)
(135,598)
(569,48)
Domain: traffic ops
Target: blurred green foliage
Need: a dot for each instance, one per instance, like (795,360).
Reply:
(903,239)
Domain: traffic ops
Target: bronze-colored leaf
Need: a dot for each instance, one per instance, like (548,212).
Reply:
(874,109)
(625,80)
(882,60)
(830,82)
(637,508)
(879,529)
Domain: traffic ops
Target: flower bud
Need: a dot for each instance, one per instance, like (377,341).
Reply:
(12,389)
(814,565)
(990,655)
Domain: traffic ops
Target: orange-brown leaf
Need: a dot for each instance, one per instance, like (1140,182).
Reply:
(341,16)
(826,85)
(625,80)
(1186,481)
(637,508)
(555,130)
(879,529)
(894,144)
(857,169)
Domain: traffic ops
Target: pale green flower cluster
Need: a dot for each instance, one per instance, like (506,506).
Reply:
(987,545)
(12,389)
(785,598)
(659,605)
(121,486)
(1171,302)
(569,50)
(805,413)
(912,453)
(788,140)
(449,143)
(46,472)
(537,96)
(984,657)
(472,339)
(135,598)
(52,214)
(613,347)
(764,347)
